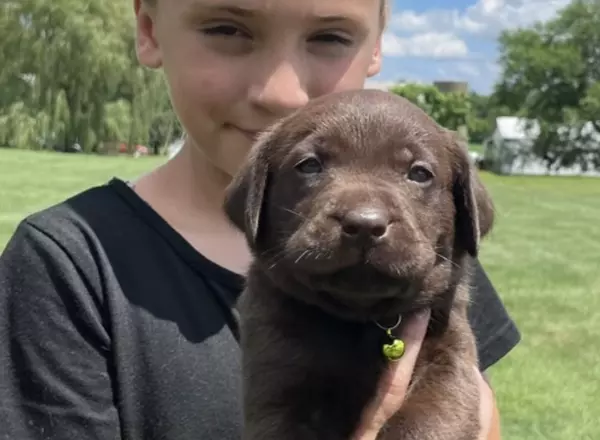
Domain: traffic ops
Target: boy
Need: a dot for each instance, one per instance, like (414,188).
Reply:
(116,306)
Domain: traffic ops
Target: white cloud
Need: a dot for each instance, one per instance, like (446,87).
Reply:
(425,45)
(485,17)
(438,19)
(451,35)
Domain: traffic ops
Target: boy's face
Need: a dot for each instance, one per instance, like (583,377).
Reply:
(236,66)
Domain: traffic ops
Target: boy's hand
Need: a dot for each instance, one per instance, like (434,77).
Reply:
(394,386)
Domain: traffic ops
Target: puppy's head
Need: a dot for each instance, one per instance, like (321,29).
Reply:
(361,203)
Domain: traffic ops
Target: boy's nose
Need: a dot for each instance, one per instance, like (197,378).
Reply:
(280,90)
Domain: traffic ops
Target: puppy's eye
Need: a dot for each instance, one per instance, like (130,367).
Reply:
(309,166)
(420,174)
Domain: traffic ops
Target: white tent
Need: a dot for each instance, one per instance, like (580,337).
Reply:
(508,149)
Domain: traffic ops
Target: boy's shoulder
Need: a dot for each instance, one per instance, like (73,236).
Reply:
(88,229)
(98,206)
(104,217)
(98,277)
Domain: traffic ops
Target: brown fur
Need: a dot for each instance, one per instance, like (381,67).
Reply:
(311,350)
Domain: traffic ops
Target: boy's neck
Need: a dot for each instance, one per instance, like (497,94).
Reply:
(189,180)
(188,192)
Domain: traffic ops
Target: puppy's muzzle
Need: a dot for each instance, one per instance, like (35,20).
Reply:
(363,226)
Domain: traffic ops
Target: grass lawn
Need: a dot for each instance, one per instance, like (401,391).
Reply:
(33,180)
(476,147)
(543,256)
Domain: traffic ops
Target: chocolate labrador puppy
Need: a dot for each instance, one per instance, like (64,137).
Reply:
(360,210)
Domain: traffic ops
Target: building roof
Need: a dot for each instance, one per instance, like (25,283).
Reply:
(514,128)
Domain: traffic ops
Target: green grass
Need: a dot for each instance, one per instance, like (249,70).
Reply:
(543,256)
(476,147)
(30,181)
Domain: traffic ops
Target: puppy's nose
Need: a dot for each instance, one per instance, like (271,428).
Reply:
(366,223)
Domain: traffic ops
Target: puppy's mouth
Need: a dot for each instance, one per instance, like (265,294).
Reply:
(360,279)
(347,267)
(364,290)
(360,275)
(356,281)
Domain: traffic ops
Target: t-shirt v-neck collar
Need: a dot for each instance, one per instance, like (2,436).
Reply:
(188,253)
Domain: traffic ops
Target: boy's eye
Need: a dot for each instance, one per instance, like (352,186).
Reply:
(329,38)
(225,30)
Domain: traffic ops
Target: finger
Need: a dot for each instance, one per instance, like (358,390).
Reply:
(394,383)
(400,372)
(486,406)
(413,334)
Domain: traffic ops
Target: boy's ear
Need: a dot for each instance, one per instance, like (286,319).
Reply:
(376,60)
(146,45)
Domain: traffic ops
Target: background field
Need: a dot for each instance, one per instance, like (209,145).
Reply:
(544,257)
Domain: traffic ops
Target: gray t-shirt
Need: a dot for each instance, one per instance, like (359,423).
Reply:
(113,327)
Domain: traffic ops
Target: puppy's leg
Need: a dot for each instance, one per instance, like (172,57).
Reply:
(304,376)
(443,401)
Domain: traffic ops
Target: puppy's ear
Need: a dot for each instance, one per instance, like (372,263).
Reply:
(474,208)
(245,195)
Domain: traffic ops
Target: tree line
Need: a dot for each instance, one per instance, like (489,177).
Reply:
(70,76)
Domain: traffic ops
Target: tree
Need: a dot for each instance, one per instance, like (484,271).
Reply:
(480,118)
(550,74)
(71,76)
(450,110)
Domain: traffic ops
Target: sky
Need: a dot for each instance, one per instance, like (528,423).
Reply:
(430,40)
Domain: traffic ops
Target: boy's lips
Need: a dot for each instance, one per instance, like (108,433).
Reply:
(252,134)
